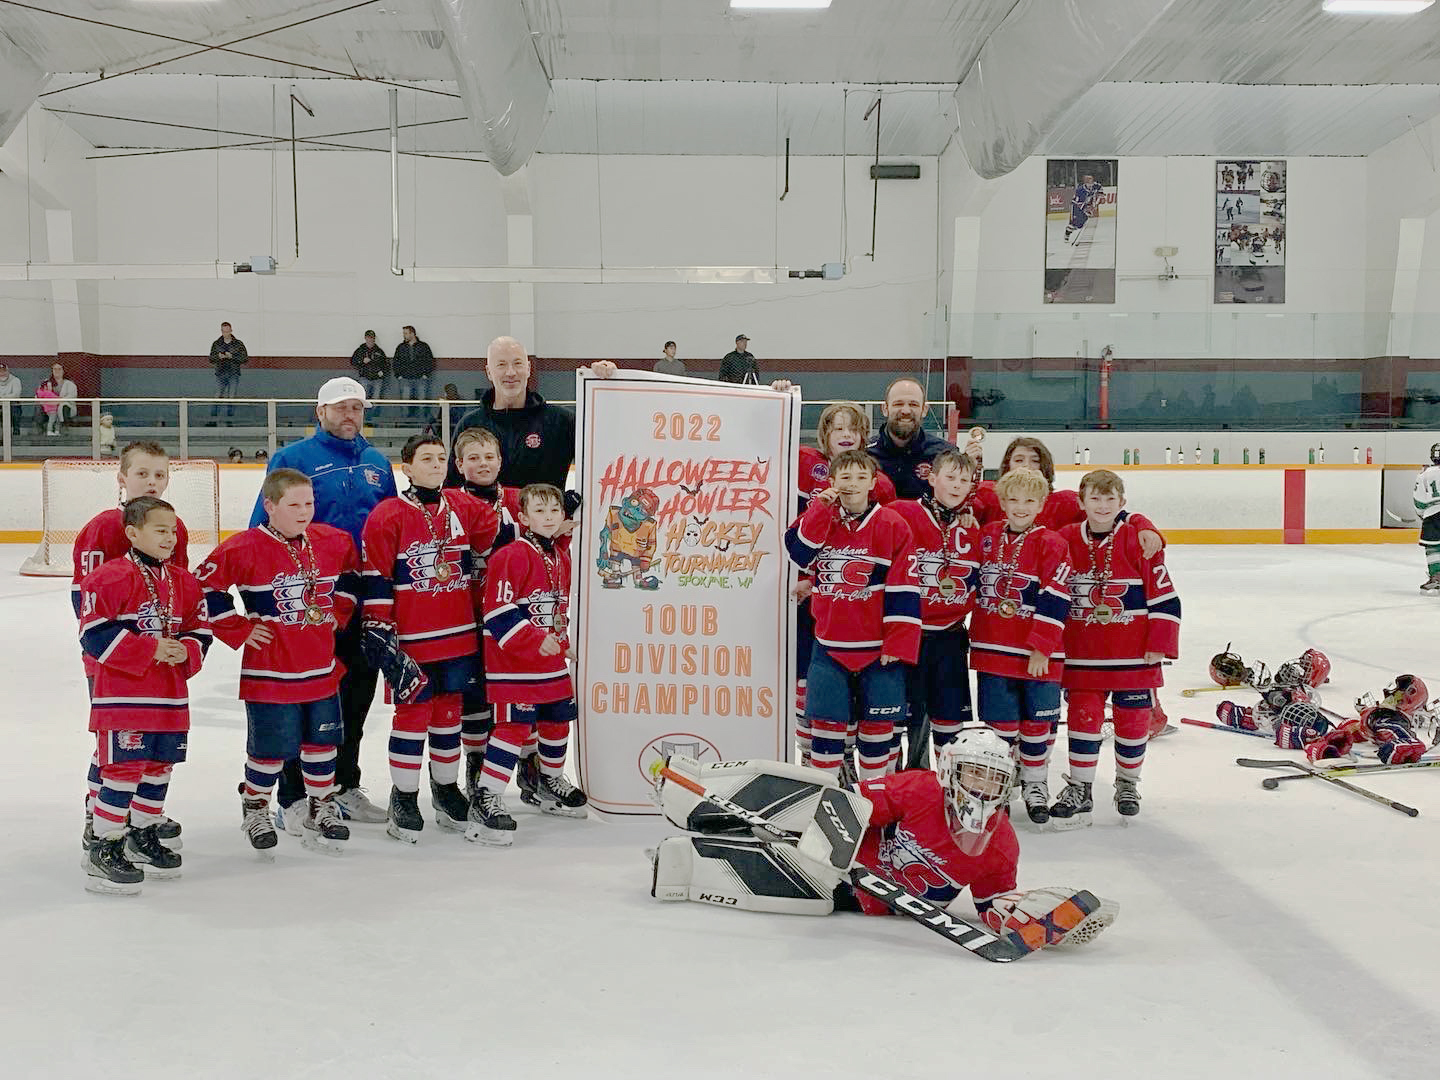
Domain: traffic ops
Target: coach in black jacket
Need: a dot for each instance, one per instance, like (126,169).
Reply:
(903,448)
(537,439)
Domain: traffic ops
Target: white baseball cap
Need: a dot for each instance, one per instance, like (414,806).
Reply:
(341,389)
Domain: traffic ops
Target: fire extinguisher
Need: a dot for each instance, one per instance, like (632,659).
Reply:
(1105,367)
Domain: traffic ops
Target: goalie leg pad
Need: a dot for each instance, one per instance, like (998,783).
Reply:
(834,836)
(749,875)
(785,795)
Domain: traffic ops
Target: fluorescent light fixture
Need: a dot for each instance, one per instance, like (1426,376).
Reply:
(779,5)
(1376,7)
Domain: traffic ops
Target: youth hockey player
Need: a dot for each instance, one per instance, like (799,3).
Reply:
(422,552)
(299,582)
(527,641)
(1427,505)
(933,836)
(1017,629)
(946,558)
(867,614)
(477,456)
(144,470)
(1124,621)
(843,426)
(143,622)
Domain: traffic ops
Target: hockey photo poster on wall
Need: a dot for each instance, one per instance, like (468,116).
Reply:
(1080,212)
(681,586)
(1249,232)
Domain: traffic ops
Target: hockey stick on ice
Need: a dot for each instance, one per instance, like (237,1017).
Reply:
(1223,727)
(968,936)
(1306,767)
(1270,783)
(1191,691)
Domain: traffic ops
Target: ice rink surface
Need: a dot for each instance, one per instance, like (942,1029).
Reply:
(1279,934)
(1093,250)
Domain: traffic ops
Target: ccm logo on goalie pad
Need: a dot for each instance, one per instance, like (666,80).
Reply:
(715,898)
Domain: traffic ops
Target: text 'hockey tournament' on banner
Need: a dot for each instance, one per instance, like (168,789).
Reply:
(681,578)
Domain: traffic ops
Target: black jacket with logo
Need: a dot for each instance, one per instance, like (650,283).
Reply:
(537,440)
(908,466)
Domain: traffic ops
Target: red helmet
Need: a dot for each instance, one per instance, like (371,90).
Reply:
(1228,669)
(648,500)
(1319,666)
(1409,694)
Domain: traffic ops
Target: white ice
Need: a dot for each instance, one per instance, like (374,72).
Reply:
(1093,249)
(1280,934)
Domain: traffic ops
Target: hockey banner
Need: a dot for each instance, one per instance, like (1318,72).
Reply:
(1080,216)
(1249,232)
(681,590)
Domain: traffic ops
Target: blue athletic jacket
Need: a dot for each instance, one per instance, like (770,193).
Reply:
(349,476)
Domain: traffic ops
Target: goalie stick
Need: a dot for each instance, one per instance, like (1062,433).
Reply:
(1270,783)
(1306,767)
(968,936)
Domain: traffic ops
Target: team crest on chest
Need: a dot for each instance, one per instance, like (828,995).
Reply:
(533,440)
(842,573)
(434,571)
(150,619)
(547,610)
(293,596)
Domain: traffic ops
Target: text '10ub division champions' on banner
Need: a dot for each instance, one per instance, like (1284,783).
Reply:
(681,603)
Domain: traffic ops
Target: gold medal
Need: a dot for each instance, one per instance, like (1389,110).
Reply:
(947,587)
(1104,613)
(314,614)
(561,625)
(442,568)
(1009,609)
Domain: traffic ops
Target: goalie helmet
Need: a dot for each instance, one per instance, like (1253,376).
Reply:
(1408,695)
(1228,669)
(977,772)
(1311,668)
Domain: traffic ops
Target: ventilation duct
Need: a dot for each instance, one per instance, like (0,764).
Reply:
(502,83)
(20,81)
(1005,109)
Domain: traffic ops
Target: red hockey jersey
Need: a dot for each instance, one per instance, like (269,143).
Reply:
(287,587)
(102,539)
(120,625)
(506,504)
(815,476)
(945,561)
(865,601)
(423,568)
(909,841)
(1062,507)
(1121,607)
(527,595)
(1020,603)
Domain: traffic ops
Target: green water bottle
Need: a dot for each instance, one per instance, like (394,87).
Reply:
(1247,455)
(1216,456)
(1127,456)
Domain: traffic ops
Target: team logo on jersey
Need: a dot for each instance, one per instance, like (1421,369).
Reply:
(533,440)
(820,472)
(1088,595)
(421,559)
(547,610)
(372,477)
(922,471)
(930,569)
(293,595)
(843,572)
(997,586)
(686,743)
(911,863)
(150,620)
(129,740)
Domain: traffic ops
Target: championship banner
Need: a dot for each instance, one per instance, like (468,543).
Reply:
(682,615)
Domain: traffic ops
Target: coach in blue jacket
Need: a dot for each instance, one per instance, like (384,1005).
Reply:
(349,477)
(903,448)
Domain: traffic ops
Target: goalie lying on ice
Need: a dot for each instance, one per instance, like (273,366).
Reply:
(932,836)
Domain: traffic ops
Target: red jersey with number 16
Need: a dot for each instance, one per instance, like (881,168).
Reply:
(527,596)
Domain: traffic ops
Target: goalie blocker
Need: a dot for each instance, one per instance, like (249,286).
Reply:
(933,840)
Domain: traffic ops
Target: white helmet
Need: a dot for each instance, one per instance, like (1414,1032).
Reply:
(977,772)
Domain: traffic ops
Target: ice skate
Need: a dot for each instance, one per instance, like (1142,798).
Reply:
(255,824)
(474,763)
(1036,794)
(489,821)
(143,848)
(406,824)
(168,830)
(452,809)
(1073,809)
(556,795)
(325,831)
(527,777)
(1127,796)
(110,872)
(1433,584)
(291,819)
(355,805)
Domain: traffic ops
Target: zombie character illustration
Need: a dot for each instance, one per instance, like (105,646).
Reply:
(627,542)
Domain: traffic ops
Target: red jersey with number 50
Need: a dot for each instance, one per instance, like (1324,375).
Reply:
(909,841)
(527,597)
(120,625)
(428,590)
(1121,607)
(102,539)
(298,663)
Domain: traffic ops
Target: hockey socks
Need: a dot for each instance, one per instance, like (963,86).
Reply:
(117,789)
(437,719)
(147,808)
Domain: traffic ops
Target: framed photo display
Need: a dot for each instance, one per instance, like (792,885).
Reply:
(1249,232)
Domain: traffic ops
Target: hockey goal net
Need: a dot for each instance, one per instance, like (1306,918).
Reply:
(74,490)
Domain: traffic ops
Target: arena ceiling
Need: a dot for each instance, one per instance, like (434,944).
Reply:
(497,79)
